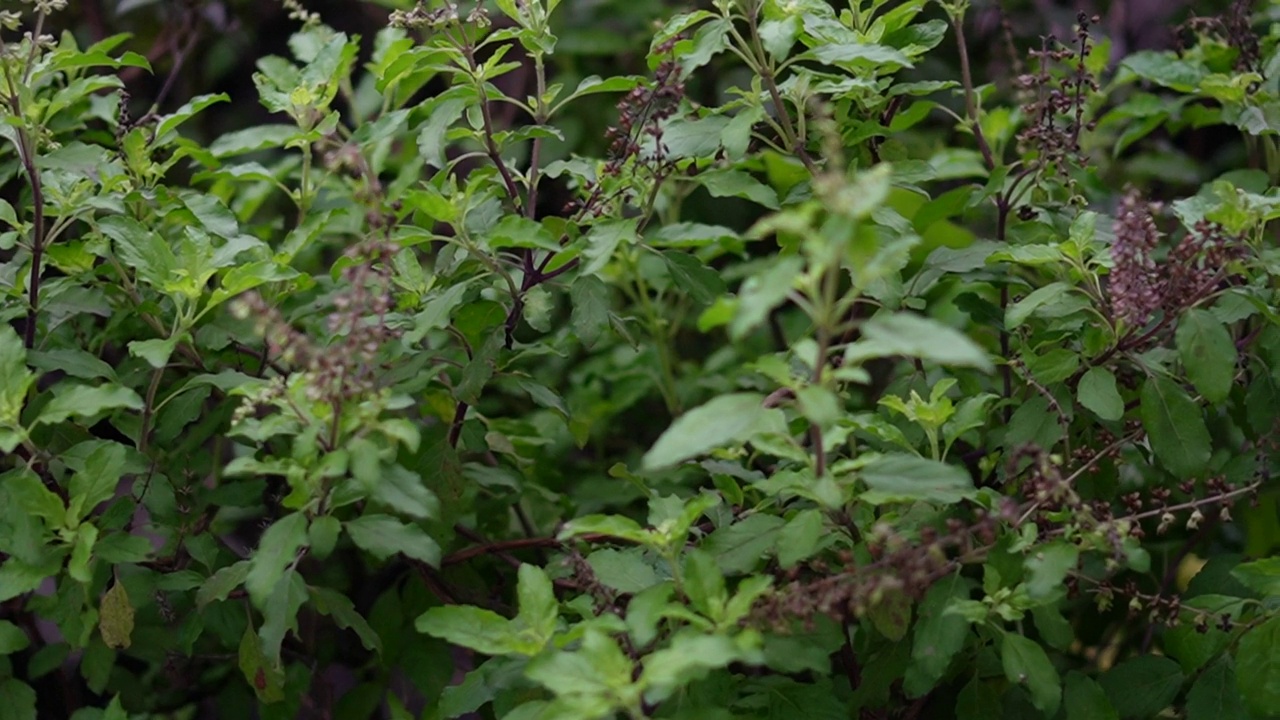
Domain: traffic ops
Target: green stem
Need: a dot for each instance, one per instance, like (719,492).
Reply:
(304,189)
(662,339)
(758,60)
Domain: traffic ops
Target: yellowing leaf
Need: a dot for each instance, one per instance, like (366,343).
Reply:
(115,618)
(266,679)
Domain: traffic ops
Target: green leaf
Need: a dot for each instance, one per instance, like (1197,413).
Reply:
(81,553)
(702,282)
(800,538)
(19,700)
(617,526)
(744,598)
(1192,648)
(276,551)
(156,352)
(123,547)
(481,318)
(12,638)
(736,137)
(442,111)
(115,618)
(471,627)
(938,636)
(1033,422)
(1215,694)
(623,570)
(1175,427)
(1143,686)
(779,35)
(212,214)
(726,420)
(115,710)
(738,548)
(898,477)
(248,276)
(1086,700)
(1261,576)
(646,610)
(477,688)
(761,293)
(97,482)
(1165,68)
(96,664)
(437,311)
(15,378)
(522,232)
(704,584)
(804,649)
(539,608)
(1025,663)
(343,611)
(587,681)
(538,306)
(252,139)
(1258,662)
(76,363)
(1097,392)
(87,401)
(688,658)
(978,701)
(709,40)
(1018,313)
(141,249)
(18,577)
(404,491)
(736,183)
(593,84)
(603,240)
(323,536)
(1208,354)
(280,613)
(221,583)
(327,64)
(920,337)
(590,298)
(30,494)
(858,54)
(1048,567)
(1054,629)
(383,536)
(166,123)
(684,138)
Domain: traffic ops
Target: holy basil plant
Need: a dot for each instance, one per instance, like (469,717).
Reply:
(568,360)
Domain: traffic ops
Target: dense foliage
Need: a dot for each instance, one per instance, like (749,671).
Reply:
(498,365)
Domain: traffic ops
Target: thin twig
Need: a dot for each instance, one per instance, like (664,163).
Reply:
(503,546)
(970,96)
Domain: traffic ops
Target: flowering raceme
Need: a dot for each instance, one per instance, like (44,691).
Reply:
(1135,282)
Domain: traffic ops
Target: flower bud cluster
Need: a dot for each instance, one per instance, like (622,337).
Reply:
(901,565)
(1135,279)
(300,13)
(1196,264)
(1235,29)
(1056,105)
(346,369)
(447,14)
(1194,267)
(642,111)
